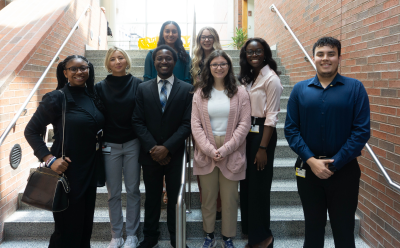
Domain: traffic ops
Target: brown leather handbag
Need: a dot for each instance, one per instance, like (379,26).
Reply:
(45,188)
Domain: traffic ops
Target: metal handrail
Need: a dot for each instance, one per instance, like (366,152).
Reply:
(189,171)
(22,108)
(181,206)
(394,185)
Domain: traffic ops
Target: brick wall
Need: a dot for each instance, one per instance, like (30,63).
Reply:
(370,35)
(31,31)
(239,15)
(2,4)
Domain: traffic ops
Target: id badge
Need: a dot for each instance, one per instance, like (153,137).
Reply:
(255,129)
(300,172)
(106,150)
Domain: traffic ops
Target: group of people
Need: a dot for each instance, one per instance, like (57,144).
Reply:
(121,124)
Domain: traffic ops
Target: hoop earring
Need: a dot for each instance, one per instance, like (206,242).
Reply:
(109,70)
(127,67)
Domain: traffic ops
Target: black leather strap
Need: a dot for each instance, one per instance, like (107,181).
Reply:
(63,124)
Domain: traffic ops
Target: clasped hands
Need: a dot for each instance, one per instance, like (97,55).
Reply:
(218,156)
(320,167)
(160,155)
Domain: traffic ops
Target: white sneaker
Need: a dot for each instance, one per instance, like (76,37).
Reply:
(116,243)
(131,242)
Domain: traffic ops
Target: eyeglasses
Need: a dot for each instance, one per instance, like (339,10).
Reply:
(223,65)
(74,69)
(210,38)
(257,52)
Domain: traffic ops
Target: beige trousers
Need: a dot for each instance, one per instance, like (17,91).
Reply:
(210,185)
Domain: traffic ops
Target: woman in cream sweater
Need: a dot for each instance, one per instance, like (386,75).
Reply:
(220,124)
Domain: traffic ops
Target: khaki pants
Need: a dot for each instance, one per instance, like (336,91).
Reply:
(210,185)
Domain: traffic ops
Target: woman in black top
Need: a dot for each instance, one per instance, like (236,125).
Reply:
(121,146)
(82,164)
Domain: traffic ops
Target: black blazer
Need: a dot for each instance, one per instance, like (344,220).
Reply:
(170,128)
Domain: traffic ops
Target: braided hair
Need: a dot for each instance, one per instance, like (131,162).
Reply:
(178,43)
(62,80)
(246,75)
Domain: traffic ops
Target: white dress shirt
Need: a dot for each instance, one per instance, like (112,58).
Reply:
(168,85)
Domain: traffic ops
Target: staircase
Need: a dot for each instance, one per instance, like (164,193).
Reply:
(30,227)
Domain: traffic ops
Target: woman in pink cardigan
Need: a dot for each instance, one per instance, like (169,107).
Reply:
(220,123)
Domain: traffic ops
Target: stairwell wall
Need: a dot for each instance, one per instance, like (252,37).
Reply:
(31,32)
(370,33)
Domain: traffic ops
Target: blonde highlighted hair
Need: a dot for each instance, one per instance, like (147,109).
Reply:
(198,53)
(110,53)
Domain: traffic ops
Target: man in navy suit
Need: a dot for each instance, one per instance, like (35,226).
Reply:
(162,123)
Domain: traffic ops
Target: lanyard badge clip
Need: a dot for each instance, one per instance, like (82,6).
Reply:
(300,172)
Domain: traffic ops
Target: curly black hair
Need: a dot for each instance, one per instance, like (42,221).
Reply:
(161,47)
(327,41)
(207,80)
(62,80)
(178,43)
(246,76)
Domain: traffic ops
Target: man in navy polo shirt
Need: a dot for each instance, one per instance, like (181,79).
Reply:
(327,125)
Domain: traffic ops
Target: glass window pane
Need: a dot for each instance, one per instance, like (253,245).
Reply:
(174,10)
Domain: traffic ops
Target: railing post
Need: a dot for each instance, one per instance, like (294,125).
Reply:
(180,218)
(189,172)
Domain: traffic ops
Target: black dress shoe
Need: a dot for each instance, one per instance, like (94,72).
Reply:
(148,243)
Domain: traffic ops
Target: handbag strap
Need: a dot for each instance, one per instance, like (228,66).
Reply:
(63,125)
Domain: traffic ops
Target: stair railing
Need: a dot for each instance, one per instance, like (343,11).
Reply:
(55,58)
(392,184)
(180,204)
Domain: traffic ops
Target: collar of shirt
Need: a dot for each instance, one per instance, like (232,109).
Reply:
(170,80)
(337,79)
(266,70)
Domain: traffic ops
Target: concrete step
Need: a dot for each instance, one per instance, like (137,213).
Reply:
(280,130)
(282,70)
(284,102)
(139,61)
(281,171)
(287,89)
(279,243)
(282,115)
(100,54)
(283,150)
(287,221)
(100,74)
(138,71)
(283,192)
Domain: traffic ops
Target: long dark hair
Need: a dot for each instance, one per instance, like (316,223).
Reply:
(178,43)
(246,76)
(207,80)
(62,80)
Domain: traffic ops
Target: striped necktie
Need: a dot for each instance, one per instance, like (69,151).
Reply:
(163,94)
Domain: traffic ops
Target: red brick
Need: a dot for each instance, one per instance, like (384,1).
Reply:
(389,57)
(389,111)
(390,4)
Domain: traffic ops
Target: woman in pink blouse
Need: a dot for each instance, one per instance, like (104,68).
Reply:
(259,74)
(220,123)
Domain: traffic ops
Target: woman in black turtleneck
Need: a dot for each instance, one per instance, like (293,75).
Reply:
(121,146)
(83,162)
